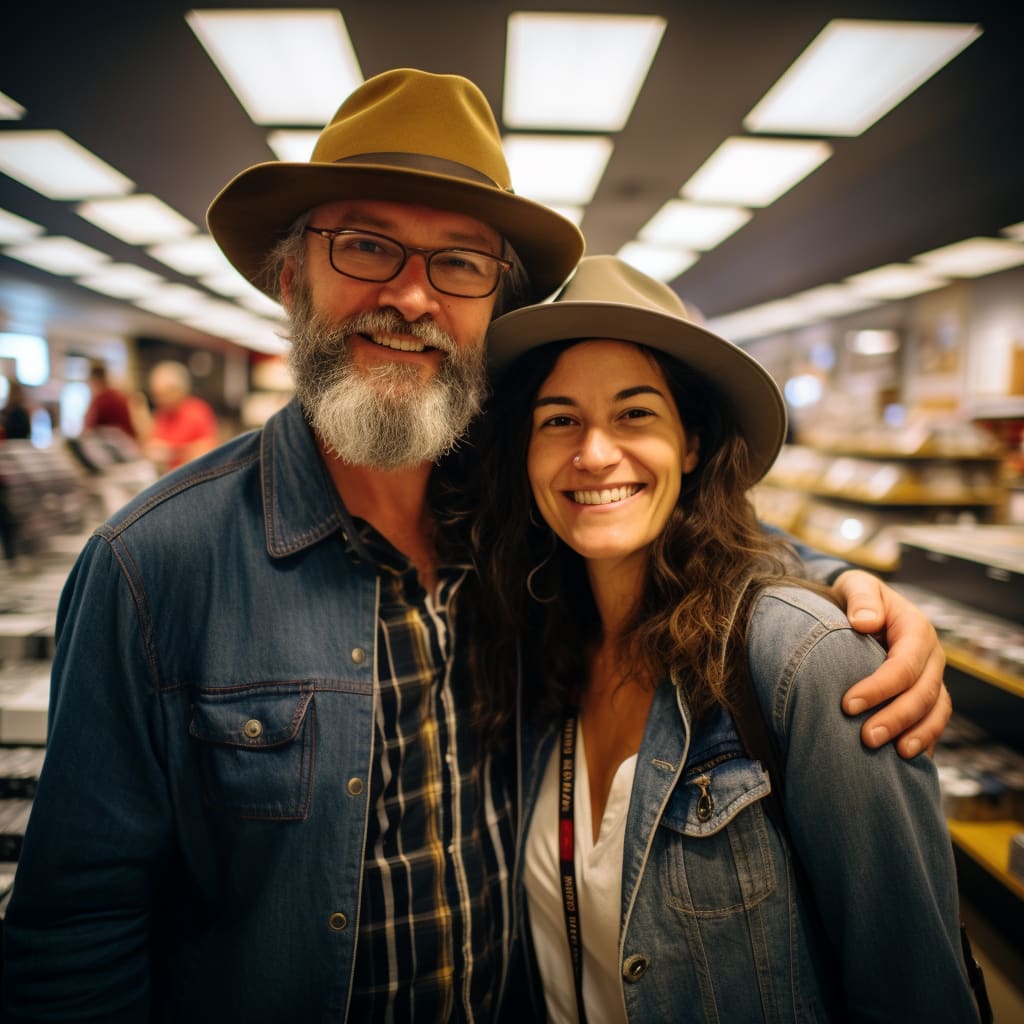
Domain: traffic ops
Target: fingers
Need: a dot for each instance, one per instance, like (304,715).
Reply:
(864,599)
(918,715)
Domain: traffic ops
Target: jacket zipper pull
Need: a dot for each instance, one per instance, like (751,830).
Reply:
(705,802)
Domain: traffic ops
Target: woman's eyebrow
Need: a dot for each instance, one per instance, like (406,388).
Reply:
(619,396)
(640,389)
(553,400)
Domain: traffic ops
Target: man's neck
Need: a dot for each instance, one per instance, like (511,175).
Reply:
(394,502)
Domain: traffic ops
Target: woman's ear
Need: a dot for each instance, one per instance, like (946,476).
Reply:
(692,454)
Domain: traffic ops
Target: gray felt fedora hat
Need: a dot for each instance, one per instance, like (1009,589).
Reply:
(402,136)
(608,298)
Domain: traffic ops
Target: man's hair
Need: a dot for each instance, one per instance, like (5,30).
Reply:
(513,289)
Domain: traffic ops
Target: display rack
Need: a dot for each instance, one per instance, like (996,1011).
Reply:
(852,500)
(971,583)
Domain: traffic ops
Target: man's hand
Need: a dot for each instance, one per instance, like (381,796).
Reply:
(911,674)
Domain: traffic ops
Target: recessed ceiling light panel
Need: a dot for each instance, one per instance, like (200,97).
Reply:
(576,71)
(58,167)
(755,172)
(557,169)
(693,226)
(136,219)
(854,73)
(286,67)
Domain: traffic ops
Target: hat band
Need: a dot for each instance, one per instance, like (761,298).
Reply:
(422,162)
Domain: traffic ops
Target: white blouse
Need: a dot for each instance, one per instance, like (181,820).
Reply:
(599,893)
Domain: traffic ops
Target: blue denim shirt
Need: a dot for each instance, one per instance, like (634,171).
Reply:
(187,867)
(716,925)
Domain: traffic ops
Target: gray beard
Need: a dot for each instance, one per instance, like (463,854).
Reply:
(384,417)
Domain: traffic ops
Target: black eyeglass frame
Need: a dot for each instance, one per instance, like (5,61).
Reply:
(504,266)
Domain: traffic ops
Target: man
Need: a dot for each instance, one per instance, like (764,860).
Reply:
(263,798)
(183,426)
(108,406)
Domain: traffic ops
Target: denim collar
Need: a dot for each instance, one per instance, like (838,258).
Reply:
(300,504)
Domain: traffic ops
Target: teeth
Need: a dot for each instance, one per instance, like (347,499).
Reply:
(606,496)
(401,344)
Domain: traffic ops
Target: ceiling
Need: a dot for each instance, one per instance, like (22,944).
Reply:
(130,82)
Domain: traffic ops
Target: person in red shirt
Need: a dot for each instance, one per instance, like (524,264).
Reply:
(108,407)
(184,425)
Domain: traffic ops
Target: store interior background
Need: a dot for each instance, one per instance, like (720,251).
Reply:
(907,402)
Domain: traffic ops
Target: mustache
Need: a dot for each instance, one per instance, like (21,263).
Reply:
(389,321)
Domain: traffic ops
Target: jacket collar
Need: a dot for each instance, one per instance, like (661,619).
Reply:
(300,505)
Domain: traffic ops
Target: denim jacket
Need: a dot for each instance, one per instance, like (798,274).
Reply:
(718,923)
(187,869)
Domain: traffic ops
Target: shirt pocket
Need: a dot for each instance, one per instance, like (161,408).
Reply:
(257,748)
(715,849)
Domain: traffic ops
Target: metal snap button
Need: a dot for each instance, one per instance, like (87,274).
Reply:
(355,786)
(358,655)
(337,922)
(253,728)
(635,967)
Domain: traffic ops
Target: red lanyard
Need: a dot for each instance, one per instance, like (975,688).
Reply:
(567,858)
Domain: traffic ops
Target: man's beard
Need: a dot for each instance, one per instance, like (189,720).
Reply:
(385,417)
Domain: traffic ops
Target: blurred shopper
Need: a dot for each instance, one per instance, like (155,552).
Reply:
(108,407)
(183,425)
(15,417)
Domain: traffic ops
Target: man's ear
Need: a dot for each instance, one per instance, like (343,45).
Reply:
(287,273)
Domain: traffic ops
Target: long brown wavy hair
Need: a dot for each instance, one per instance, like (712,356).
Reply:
(531,604)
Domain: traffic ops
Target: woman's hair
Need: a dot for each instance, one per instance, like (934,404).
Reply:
(534,610)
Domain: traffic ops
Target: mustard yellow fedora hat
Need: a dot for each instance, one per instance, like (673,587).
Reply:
(404,136)
(608,298)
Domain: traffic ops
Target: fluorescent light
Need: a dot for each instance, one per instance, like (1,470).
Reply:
(16,229)
(1015,231)
(872,342)
(573,213)
(854,73)
(755,172)
(192,257)
(692,226)
(757,321)
(59,255)
(174,300)
(557,169)
(895,281)
(292,145)
(58,167)
(122,281)
(973,257)
(578,71)
(830,300)
(228,282)
(658,261)
(136,219)
(262,304)
(285,66)
(10,110)
(227,321)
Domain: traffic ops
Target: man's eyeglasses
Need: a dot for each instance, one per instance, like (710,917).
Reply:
(367,256)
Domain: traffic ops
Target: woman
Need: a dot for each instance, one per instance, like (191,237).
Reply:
(619,539)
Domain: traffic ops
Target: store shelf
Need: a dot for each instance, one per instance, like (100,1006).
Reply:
(988,843)
(966,662)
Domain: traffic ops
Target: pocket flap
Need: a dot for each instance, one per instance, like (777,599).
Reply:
(254,718)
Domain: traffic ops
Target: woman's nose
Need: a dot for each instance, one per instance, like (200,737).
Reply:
(598,452)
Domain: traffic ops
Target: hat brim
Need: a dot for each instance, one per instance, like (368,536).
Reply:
(255,209)
(756,401)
